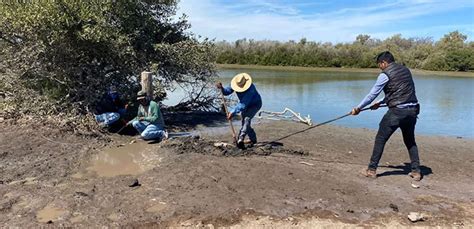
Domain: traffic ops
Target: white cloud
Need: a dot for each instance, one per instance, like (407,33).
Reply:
(276,20)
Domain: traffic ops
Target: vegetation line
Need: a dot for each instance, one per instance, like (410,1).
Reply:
(453,52)
(335,69)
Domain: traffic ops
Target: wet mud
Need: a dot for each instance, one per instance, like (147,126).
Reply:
(219,148)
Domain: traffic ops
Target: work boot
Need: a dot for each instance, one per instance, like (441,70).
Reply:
(240,144)
(415,175)
(250,143)
(371,173)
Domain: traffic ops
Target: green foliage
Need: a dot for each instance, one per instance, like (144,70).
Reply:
(60,56)
(450,53)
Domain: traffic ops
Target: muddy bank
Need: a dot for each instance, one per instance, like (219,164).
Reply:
(195,144)
(307,180)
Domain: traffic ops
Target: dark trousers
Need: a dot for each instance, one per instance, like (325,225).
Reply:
(391,121)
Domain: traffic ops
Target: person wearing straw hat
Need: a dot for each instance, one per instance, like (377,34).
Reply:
(249,104)
(149,121)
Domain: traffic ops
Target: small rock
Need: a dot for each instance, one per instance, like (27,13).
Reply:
(49,222)
(350,152)
(393,207)
(415,217)
(134,183)
(350,210)
(133,141)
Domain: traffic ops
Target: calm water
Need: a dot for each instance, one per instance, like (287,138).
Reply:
(447,103)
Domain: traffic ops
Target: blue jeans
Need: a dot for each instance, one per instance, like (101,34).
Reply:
(107,118)
(247,129)
(148,131)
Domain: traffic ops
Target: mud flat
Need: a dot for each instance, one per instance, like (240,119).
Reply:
(307,180)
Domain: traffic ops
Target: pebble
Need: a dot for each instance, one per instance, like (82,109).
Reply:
(135,183)
(415,217)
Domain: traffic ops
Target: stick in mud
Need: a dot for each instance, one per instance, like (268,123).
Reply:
(230,121)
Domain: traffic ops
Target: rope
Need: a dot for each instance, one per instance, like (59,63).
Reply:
(320,124)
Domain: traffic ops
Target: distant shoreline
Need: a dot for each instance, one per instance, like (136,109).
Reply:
(334,69)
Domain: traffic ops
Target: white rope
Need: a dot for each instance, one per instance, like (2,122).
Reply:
(283,116)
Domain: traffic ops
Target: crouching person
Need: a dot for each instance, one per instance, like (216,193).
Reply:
(110,108)
(149,121)
(249,104)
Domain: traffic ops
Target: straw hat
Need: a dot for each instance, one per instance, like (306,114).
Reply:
(241,82)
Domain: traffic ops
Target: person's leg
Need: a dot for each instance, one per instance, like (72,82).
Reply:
(111,117)
(100,118)
(152,132)
(139,126)
(407,126)
(387,126)
(247,122)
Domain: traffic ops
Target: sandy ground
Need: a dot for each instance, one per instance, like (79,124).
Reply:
(49,178)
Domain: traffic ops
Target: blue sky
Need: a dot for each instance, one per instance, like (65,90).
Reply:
(327,20)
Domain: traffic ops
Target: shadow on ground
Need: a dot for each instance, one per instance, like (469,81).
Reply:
(404,170)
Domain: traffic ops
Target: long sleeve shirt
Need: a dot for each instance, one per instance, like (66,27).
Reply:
(248,98)
(152,114)
(382,80)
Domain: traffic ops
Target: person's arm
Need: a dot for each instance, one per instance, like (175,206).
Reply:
(382,80)
(244,101)
(139,114)
(154,114)
(227,90)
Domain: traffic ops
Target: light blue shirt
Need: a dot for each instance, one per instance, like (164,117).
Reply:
(382,80)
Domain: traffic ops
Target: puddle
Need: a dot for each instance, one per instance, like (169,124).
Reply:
(128,159)
(49,213)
